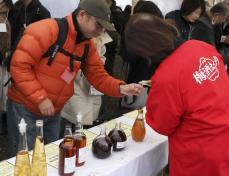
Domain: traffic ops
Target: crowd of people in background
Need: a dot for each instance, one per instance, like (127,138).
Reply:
(150,45)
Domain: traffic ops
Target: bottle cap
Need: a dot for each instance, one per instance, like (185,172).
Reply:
(68,130)
(103,130)
(140,110)
(120,125)
(39,123)
(22,126)
(79,117)
(68,126)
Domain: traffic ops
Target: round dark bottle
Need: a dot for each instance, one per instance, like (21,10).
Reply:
(102,145)
(118,137)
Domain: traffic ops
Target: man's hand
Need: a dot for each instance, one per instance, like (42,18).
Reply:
(131,89)
(46,107)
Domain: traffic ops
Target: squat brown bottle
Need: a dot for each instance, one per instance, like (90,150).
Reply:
(138,130)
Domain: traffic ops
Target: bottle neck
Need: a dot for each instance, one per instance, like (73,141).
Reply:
(102,132)
(118,126)
(39,131)
(140,114)
(78,127)
(79,130)
(22,146)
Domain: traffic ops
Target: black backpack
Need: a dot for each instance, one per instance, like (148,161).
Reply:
(55,48)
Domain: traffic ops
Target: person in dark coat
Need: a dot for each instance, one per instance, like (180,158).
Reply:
(28,11)
(6,7)
(111,48)
(204,27)
(222,38)
(126,15)
(139,68)
(184,18)
(116,15)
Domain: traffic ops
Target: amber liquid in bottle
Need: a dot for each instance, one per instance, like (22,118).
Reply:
(138,130)
(118,138)
(22,163)
(67,156)
(22,167)
(39,158)
(39,165)
(80,142)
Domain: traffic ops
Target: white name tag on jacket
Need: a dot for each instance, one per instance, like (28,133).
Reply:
(3,27)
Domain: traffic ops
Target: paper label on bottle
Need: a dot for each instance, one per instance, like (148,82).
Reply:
(121,145)
(82,155)
(69,165)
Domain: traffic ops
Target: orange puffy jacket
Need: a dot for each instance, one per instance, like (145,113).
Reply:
(34,80)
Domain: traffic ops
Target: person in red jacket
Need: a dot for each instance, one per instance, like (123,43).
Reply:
(189,98)
(39,90)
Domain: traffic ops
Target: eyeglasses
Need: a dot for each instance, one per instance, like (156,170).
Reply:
(99,26)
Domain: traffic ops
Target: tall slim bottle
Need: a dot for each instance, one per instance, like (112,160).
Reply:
(67,150)
(39,167)
(22,164)
(80,141)
(138,130)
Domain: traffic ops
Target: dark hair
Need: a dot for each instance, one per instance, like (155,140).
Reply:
(113,2)
(148,7)
(149,37)
(9,3)
(189,6)
(220,8)
(203,6)
(136,6)
(127,9)
(77,10)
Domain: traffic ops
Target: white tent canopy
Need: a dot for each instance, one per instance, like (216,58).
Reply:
(61,8)
(167,5)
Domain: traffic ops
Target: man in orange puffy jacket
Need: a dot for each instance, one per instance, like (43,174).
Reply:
(39,91)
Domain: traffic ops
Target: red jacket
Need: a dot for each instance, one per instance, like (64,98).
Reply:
(189,102)
(34,80)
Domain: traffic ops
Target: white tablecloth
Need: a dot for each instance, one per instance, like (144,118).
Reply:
(145,158)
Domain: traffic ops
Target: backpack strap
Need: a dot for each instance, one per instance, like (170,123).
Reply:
(58,46)
(74,57)
(86,50)
(62,35)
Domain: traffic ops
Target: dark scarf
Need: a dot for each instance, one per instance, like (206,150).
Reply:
(80,37)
